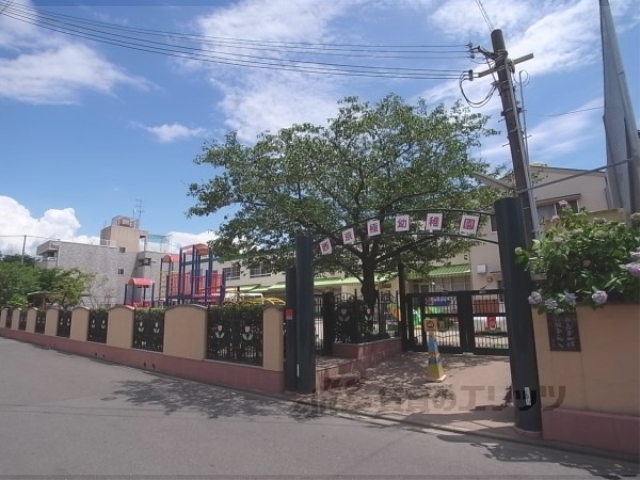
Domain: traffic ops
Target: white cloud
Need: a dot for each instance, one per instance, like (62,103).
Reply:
(42,67)
(182,239)
(55,224)
(563,35)
(563,134)
(554,137)
(16,222)
(170,133)
(261,99)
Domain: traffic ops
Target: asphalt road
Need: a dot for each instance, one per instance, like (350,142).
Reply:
(71,417)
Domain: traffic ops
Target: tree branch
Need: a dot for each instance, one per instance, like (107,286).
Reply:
(406,247)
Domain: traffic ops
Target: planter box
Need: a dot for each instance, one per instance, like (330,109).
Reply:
(597,387)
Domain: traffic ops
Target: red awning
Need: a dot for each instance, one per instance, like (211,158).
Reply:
(140,282)
(200,248)
(170,258)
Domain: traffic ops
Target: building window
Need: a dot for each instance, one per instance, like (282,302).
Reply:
(123,249)
(545,212)
(144,262)
(121,271)
(232,273)
(259,271)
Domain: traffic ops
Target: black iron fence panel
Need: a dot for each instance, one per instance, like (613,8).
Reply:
(490,321)
(22,321)
(98,324)
(41,320)
(9,317)
(64,323)
(463,322)
(148,329)
(235,333)
(357,322)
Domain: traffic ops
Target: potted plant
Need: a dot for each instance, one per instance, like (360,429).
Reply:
(581,260)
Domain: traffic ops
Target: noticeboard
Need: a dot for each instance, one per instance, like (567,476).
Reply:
(564,335)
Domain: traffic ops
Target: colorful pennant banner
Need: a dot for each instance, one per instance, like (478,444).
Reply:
(434,222)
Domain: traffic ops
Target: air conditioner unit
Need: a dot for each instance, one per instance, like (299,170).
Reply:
(481,268)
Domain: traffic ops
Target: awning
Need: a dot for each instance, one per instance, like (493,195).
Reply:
(241,288)
(200,248)
(140,282)
(328,282)
(170,258)
(277,286)
(355,281)
(449,271)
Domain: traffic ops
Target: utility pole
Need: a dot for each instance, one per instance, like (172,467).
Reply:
(511,113)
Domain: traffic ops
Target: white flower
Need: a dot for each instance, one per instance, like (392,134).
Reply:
(599,297)
(535,298)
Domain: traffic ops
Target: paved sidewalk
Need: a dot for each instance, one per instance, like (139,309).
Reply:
(473,397)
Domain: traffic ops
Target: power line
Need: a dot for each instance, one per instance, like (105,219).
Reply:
(236,59)
(238,40)
(569,113)
(487,20)
(110,34)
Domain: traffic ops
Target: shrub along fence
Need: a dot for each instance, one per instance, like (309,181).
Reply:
(235,333)
(346,318)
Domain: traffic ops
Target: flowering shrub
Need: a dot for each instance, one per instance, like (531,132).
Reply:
(582,260)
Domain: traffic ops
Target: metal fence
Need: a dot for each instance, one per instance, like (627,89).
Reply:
(63,328)
(347,318)
(235,333)
(148,329)
(41,321)
(22,321)
(98,324)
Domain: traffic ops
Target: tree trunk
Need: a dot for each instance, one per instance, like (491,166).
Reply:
(369,292)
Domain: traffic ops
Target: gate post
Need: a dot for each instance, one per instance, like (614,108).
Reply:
(328,322)
(305,328)
(291,357)
(518,285)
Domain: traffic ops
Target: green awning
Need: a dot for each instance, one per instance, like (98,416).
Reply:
(277,286)
(242,288)
(355,281)
(328,282)
(449,271)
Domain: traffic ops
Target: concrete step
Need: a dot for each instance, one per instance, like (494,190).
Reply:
(342,380)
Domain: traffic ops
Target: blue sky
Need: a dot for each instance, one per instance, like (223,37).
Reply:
(87,128)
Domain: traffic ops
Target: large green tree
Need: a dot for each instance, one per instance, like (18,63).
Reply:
(368,162)
(65,286)
(16,280)
(19,276)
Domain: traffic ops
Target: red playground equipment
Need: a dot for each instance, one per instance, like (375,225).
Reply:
(190,284)
(132,295)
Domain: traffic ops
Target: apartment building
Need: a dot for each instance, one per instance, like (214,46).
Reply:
(123,251)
